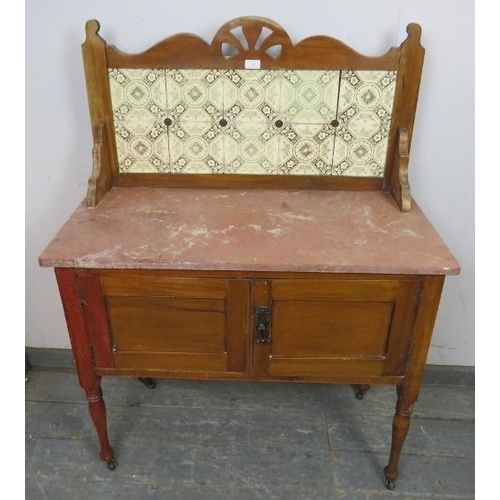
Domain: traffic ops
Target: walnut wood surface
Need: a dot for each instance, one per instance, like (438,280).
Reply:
(353,377)
(102,178)
(429,298)
(341,329)
(403,116)
(400,189)
(97,410)
(168,364)
(105,161)
(69,290)
(252,181)
(238,324)
(96,317)
(167,324)
(186,50)
(261,296)
(82,346)
(347,330)
(408,392)
(356,329)
(177,322)
(134,283)
(361,323)
(400,428)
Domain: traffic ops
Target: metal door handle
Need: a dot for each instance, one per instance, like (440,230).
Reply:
(262,333)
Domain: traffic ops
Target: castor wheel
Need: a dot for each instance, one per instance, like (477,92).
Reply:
(360,390)
(390,484)
(148,382)
(111,464)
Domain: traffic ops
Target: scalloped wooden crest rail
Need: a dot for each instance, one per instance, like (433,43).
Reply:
(317,113)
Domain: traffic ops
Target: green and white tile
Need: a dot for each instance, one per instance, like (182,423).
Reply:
(138,98)
(252,121)
(364,114)
(194,95)
(309,96)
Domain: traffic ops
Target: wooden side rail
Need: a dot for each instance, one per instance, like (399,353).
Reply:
(403,116)
(105,163)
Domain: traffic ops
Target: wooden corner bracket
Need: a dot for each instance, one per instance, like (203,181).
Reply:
(400,189)
(101,179)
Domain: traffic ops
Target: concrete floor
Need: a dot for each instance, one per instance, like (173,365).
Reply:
(202,440)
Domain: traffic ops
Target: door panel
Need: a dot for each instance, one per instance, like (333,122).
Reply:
(330,329)
(169,323)
(166,324)
(341,326)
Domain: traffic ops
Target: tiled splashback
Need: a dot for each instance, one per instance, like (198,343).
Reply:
(291,122)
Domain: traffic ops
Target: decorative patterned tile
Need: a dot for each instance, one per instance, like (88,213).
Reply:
(301,126)
(194,107)
(257,90)
(138,97)
(364,115)
(303,122)
(137,94)
(251,101)
(309,96)
(306,149)
(194,95)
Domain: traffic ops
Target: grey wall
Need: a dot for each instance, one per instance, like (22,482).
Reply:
(58,139)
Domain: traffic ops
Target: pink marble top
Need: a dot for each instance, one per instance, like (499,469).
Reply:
(250,230)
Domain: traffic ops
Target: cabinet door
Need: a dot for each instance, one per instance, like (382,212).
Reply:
(322,328)
(158,322)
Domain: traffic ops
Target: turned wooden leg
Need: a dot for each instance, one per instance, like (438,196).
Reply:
(97,410)
(69,288)
(360,390)
(400,426)
(409,391)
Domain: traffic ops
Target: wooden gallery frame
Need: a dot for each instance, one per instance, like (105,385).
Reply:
(190,51)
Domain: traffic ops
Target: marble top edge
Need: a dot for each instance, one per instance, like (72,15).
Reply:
(246,230)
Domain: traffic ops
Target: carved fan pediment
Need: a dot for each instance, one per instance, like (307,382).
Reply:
(251,38)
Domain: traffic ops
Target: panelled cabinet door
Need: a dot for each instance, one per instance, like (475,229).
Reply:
(166,323)
(301,328)
(335,327)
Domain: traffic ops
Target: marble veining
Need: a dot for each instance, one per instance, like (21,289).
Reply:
(283,122)
(250,230)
